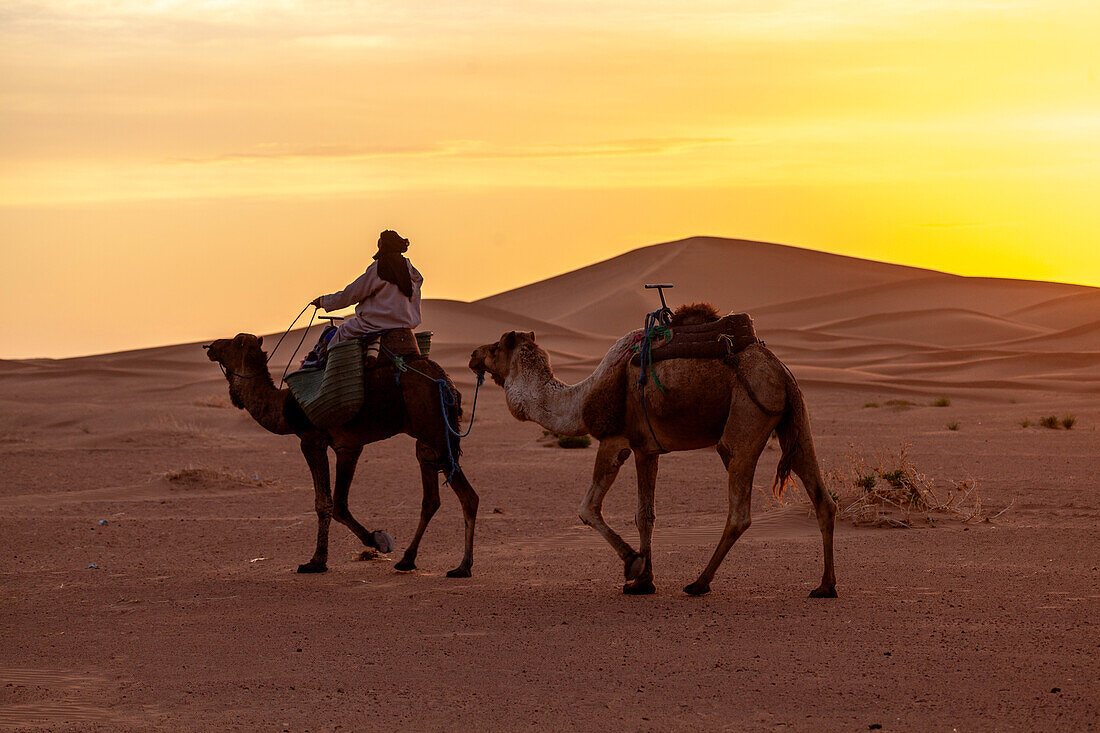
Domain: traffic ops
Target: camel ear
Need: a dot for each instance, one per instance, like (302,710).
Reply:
(509,340)
(530,335)
(260,340)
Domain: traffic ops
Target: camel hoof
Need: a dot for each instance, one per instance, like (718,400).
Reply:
(823,592)
(367,555)
(697,589)
(459,572)
(639,588)
(381,541)
(405,566)
(634,565)
(312,567)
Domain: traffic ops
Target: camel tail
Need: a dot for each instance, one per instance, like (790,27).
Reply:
(789,430)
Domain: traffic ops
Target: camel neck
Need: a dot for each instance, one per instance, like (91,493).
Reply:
(257,395)
(534,393)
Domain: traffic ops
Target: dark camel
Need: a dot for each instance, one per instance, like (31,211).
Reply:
(411,407)
(732,403)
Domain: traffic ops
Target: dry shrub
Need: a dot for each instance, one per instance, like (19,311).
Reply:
(942,402)
(191,477)
(1050,421)
(1069,421)
(179,428)
(212,401)
(886,489)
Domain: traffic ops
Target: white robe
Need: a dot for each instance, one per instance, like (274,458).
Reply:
(381,305)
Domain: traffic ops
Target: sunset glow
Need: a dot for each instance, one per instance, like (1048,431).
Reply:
(178,170)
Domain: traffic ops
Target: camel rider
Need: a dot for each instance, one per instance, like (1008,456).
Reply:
(386,296)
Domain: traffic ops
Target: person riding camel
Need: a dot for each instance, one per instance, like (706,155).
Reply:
(386,296)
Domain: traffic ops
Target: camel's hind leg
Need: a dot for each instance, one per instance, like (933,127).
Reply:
(467,497)
(743,441)
(346,461)
(646,464)
(806,468)
(429,478)
(316,454)
(609,458)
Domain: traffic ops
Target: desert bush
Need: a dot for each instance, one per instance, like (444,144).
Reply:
(179,428)
(1069,421)
(574,441)
(192,476)
(871,404)
(953,425)
(942,402)
(901,404)
(1050,421)
(886,489)
(1025,423)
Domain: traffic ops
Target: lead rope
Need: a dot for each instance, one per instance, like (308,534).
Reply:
(446,400)
(656,324)
(305,332)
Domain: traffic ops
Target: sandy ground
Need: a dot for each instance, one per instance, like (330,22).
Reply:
(194,618)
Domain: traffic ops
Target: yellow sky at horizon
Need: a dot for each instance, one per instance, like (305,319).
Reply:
(153,152)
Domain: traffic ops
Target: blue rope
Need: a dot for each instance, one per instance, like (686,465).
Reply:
(656,324)
(446,400)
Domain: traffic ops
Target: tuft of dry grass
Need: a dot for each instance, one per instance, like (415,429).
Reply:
(887,490)
(1050,421)
(900,404)
(942,402)
(179,428)
(1025,423)
(1069,421)
(196,476)
(953,425)
(212,401)
(870,404)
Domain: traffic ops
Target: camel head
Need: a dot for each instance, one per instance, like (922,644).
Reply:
(497,359)
(241,355)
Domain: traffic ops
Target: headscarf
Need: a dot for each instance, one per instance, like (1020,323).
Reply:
(392,267)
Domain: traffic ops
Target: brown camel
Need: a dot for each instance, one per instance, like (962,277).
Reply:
(733,403)
(411,406)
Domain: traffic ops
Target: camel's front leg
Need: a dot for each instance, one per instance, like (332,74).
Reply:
(646,464)
(429,477)
(346,461)
(609,458)
(316,454)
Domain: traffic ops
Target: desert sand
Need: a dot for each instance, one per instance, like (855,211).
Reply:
(151,532)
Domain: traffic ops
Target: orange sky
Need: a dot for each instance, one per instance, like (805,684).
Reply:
(178,170)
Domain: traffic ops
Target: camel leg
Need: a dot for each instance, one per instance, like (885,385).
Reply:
(467,497)
(646,463)
(806,468)
(429,478)
(317,457)
(609,458)
(740,449)
(346,461)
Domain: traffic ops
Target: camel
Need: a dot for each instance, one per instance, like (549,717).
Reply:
(733,404)
(411,406)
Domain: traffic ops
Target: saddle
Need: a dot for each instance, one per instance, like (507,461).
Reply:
(713,340)
(333,393)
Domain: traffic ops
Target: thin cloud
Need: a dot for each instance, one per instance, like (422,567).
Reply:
(473,150)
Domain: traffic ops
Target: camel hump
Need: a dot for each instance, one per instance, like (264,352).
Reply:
(691,314)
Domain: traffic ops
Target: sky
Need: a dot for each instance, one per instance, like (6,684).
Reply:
(178,170)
